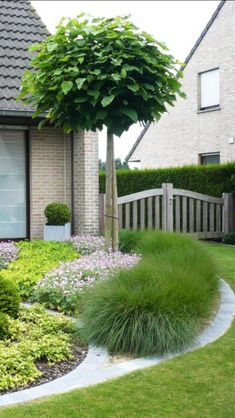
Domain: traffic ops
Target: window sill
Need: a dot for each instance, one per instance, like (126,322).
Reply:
(209,110)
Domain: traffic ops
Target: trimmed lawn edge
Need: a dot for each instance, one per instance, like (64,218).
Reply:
(93,369)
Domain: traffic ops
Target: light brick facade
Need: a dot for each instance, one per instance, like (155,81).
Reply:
(51,178)
(184,133)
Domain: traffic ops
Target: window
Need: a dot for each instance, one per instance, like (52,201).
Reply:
(209,158)
(209,89)
(13,200)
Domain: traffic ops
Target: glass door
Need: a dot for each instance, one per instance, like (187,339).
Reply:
(13,185)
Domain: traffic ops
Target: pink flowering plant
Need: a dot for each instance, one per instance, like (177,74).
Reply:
(8,253)
(87,244)
(62,287)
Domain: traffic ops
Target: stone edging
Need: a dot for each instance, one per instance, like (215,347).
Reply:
(94,368)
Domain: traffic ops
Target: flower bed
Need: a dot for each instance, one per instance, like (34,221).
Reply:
(62,287)
(8,253)
(38,346)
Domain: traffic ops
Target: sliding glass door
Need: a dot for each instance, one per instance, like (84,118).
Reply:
(13,185)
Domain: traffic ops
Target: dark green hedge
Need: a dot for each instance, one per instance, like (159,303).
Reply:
(212,179)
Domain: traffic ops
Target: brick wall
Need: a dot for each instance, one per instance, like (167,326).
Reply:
(86,183)
(184,133)
(50,174)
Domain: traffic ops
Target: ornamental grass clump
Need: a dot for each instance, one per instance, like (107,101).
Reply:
(158,306)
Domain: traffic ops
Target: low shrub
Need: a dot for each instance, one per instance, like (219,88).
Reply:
(62,287)
(4,326)
(230,238)
(35,335)
(9,297)
(35,259)
(158,306)
(57,214)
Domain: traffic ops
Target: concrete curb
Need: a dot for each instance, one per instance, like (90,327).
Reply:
(93,369)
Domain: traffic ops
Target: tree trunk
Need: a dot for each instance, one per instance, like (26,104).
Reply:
(111,209)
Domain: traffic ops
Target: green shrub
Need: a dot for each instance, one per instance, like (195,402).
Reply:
(4,326)
(35,335)
(57,214)
(212,179)
(230,238)
(128,240)
(9,297)
(158,306)
(35,259)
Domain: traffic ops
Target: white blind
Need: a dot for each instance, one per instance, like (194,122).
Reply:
(12,185)
(209,88)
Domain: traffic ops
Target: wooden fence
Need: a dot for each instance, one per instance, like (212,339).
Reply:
(177,210)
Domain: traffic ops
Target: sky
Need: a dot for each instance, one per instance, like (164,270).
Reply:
(177,23)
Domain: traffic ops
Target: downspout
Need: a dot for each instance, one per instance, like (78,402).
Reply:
(72,181)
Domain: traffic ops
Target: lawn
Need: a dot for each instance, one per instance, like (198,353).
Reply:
(199,384)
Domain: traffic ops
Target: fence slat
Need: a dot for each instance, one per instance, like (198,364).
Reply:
(177,213)
(198,215)
(184,204)
(127,215)
(191,215)
(157,212)
(205,216)
(142,214)
(150,213)
(120,223)
(212,217)
(135,216)
(218,218)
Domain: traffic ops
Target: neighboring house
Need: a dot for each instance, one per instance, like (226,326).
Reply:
(200,129)
(38,167)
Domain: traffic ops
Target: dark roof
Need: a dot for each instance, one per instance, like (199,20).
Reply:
(20,26)
(189,56)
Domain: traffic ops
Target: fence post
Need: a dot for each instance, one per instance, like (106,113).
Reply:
(101,211)
(228,213)
(167,207)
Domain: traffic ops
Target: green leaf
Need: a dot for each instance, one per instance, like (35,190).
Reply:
(41,124)
(101,114)
(94,93)
(133,87)
(66,86)
(81,60)
(51,46)
(80,82)
(107,100)
(131,113)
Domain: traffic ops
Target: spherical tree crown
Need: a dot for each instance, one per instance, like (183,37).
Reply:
(99,71)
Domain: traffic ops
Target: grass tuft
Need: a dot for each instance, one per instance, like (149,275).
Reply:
(158,306)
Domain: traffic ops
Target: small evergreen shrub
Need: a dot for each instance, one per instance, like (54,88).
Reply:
(9,297)
(57,214)
(230,238)
(4,326)
(158,306)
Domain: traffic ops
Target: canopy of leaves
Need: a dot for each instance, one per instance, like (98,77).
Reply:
(95,72)
(119,165)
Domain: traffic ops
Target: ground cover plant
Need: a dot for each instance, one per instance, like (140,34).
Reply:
(35,259)
(62,288)
(158,306)
(198,384)
(33,336)
(8,253)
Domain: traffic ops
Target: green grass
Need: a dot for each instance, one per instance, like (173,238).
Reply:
(158,306)
(200,384)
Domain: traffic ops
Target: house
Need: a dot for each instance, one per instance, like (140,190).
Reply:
(200,129)
(38,167)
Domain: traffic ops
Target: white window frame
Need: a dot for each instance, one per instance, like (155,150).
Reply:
(207,104)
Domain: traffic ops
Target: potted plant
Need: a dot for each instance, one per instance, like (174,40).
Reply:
(58,227)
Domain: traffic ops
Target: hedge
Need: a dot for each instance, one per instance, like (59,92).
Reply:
(211,179)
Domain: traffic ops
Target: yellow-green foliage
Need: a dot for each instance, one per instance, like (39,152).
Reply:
(35,259)
(33,336)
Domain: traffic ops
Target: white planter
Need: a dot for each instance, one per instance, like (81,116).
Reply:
(57,232)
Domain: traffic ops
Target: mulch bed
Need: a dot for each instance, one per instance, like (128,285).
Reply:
(55,371)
